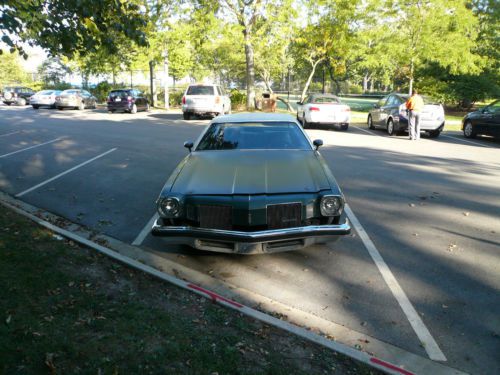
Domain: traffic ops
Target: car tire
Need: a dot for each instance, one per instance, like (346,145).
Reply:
(133,110)
(111,111)
(60,108)
(36,106)
(186,116)
(81,106)
(469,131)
(8,104)
(298,119)
(434,133)
(344,127)
(390,128)
(147,107)
(370,122)
(21,101)
(305,124)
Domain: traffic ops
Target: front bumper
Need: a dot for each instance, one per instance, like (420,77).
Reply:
(266,241)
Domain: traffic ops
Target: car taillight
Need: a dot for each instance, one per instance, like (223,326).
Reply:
(314,109)
(217,99)
(183,100)
(130,99)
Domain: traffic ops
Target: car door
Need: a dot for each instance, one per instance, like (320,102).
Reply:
(491,119)
(376,112)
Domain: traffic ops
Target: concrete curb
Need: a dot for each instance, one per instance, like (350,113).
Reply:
(413,363)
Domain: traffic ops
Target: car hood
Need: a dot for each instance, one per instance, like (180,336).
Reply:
(251,172)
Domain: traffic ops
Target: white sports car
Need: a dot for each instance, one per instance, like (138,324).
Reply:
(323,109)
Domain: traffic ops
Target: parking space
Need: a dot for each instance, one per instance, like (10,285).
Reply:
(430,208)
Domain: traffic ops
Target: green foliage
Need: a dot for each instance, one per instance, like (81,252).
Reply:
(238,98)
(102,90)
(70,26)
(11,70)
(175,98)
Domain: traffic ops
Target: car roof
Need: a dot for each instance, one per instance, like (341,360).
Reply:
(255,117)
(325,96)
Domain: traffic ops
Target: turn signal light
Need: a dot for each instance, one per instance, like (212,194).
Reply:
(183,100)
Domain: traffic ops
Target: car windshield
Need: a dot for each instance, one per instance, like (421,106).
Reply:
(45,92)
(326,100)
(254,136)
(120,93)
(71,92)
(200,90)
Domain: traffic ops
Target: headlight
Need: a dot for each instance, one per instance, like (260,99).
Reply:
(168,207)
(331,205)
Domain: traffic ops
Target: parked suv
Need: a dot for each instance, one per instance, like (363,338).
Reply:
(17,95)
(390,113)
(201,99)
(127,100)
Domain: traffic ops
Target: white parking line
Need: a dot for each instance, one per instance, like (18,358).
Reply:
(29,148)
(366,131)
(425,337)
(145,231)
(63,173)
(467,141)
(5,135)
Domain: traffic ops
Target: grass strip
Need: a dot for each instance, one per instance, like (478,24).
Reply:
(65,309)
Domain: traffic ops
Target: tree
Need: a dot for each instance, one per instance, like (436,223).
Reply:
(53,71)
(440,31)
(11,70)
(70,26)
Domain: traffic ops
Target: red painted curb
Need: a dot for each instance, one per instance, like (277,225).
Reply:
(390,366)
(214,296)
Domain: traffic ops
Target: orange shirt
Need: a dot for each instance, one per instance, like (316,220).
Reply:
(415,103)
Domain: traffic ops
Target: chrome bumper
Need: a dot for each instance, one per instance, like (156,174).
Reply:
(266,241)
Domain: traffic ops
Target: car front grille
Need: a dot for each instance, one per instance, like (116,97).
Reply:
(286,215)
(215,217)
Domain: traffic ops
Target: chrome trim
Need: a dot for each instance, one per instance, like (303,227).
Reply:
(259,236)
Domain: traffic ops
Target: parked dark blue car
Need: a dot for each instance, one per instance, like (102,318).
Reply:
(483,121)
(127,100)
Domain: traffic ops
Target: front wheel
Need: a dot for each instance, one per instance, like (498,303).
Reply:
(390,128)
(186,116)
(469,131)
(370,123)
(36,106)
(344,126)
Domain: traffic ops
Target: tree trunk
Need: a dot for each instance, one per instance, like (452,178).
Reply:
(308,83)
(366,77)
(412,67)
(250,70)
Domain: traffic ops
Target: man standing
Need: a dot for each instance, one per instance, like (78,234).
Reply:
(414,105)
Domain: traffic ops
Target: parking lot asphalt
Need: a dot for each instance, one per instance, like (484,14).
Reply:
(430,208)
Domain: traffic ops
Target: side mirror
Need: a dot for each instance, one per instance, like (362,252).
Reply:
(317,143)
(188,145)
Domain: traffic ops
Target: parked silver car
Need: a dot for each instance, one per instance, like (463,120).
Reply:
(44,98)
(201,99)
(75,98)
(390,113)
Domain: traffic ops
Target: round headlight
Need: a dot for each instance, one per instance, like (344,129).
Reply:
(169,207)
(331,205)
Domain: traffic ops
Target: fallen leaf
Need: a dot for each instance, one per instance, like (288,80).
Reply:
(466,213)
(9,318)
(411,204)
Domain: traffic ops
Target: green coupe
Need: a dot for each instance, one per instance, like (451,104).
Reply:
(252,183)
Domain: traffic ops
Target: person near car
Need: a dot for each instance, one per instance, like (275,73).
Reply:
(414,105)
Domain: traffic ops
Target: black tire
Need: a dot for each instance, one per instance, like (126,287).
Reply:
(147,107)
(36,106)
(434,133)
(186,116)
(469,131)
(344,127)
(133,110)
(370,122)
(60,108)
(8,104)
(390,128)
(305,124)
